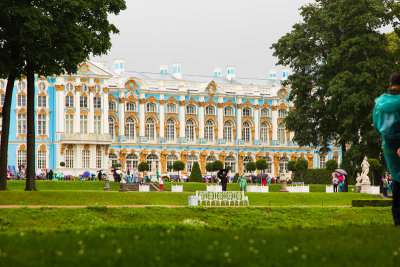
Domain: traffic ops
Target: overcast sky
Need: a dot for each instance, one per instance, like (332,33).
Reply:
(203,34)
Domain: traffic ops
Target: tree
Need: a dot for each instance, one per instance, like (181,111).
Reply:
(375,171)
(250,166)
(195,174)
(178,166)
(210,167)
(301,167)
(341,63)
(55,37)
(143,167)
(217,165)
(291,165)
(331,165)
(261,165)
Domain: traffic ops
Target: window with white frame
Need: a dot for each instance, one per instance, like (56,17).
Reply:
(97,89)
(150,129)
(84,123)
(264,113)
(21,124)
(42,87)
(86,158)
(21,158)
(281,134)
(69,158)
(69,87)
(171,108)
(230,163)
(97,102)
(83,101)
(41,124)
(21,101)
(85,88)
(245,161)
(69,124)
(190,160)
(170,162)
(21,86)
(130,125)
(112,106)
(190,130)
(69,101)
(42,159)
(229,111)
(132,162)
(228,132)
(111,126)
(114,158)
(170,130)
(190,109)
(97,124)
(209,131)
(151,107)
(2,99)
(246,112)
(283,162)
(269,164)
(282,113)
(42,101)
(336,158)
(246,134)
(2,85)
(210,110)
(152,161)
(210,159)
(264,133)
(322,162)
(130,106)
(99,159)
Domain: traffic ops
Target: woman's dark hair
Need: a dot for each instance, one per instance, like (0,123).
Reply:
(395,78)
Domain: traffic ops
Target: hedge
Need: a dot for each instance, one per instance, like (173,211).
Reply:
(315,176)
(372,203)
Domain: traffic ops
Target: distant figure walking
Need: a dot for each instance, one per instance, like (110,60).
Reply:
(335,182)
(223,177)
(161,184)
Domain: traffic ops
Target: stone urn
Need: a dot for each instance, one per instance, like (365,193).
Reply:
(283,184)
(107,185)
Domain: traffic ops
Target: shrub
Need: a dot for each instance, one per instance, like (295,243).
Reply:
(291,165)
(301,168)
(143,167)
(195,175)
(209,167)
(178,166)
(331,165)
(250,166)
(261,164)
(217,165)
(236,177)
(371,203)
(315,176)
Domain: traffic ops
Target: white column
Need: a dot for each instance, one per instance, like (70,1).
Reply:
(256,121)
(162,116)
(182,117)
(239,120)
(91,110)
(274,122)
(77,105)
(121,118)
(141,116)
(78,157)
(60,111)
(220,119)
(201,118)
(105,108)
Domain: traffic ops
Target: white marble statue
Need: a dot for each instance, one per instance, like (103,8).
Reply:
(358,179)
(365,167)
(153,167)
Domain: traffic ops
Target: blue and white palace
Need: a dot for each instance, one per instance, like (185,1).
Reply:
(100,116)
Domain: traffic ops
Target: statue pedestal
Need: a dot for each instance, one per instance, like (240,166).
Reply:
(358,188)
(283,187)
(107,186)
(365,187)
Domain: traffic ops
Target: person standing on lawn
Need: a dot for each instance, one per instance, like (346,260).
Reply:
(386,118)
(335,182)
(223,177)
(243,183)
(385,185)
(161,184)
(341,183)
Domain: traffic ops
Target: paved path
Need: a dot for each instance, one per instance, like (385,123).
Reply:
(167,206)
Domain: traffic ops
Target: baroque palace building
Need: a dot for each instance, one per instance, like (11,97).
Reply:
(100,116)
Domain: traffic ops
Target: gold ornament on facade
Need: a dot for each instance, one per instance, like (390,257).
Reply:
(106,149)
(78,88)
(143,155)
(131,85)
(191,101)
(294,156)
(182,103)
(202,104)
(184,154)
(84,67)
(211,102)
(112,98)
(221,105)
(42,147)
(310,158)
(62,149)
(239,106)
(106,90)
(211,88)
(96,81)
(84,112)
(112,150)
(203,155)
(283,105)
(192,152)
(70,147)
(282,94)
(162,101)
(292,108)
(91,89)
(70,111)
(86,147)
(240,162)
(163,160)
(70,79)
(256,107)
(22,147)
(247,104)
(97,112)
(142,101)
(274,108)
(84,80)
(222,157)
(259,155)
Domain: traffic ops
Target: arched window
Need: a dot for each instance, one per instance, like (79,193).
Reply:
(150,129)
(228,111)
(97,89)
(264,133)
(246,112)
(228,132)
(230,163)
(69,124)
(112,106)
(190,130)
(21,158)
(69,87)
(84,89)
(170,161)
(190,109)
(210,110)
(130,106)
(152,161)
(269,164)
(111,126)
(282,113)
(335,157)
(132,162)
(209,131)
(245,161)
(246,132)
(171,108)
(322,161)
(283,162)
(190,160)
(113,157)
(130,124)
(264,113)
(281,134)
(151,107)
(210,159)
(170,130)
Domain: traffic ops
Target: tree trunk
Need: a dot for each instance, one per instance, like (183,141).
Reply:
(30,157)
(5,132)
(346,184)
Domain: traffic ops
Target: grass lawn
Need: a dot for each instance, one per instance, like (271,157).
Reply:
(99,186)
(167,198)
(159,236)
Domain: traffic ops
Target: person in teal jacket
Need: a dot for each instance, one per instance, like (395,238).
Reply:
(243,184)
(386,118)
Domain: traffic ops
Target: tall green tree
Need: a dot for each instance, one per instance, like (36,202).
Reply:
(261,165)
(178,166)
(56,37)
(341,63)
(195,174)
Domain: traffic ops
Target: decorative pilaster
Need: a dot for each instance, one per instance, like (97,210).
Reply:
(121,118)
(257,122)
(274,122)
(182,134)
(162,118)
(201,120)
(77,105)
(141,117)
(60,108)
(106,128)
(220,119)
(239,122)
(91,110)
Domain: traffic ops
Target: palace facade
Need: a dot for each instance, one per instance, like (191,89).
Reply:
(100,116)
